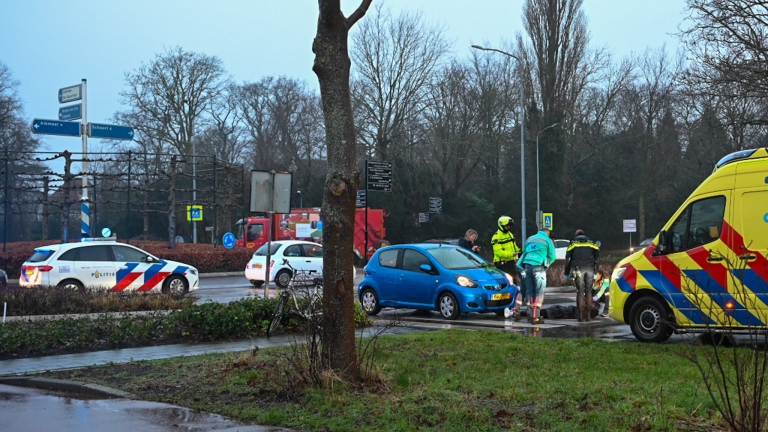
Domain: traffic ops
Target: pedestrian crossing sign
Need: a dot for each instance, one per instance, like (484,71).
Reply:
(194,213)
(546,220)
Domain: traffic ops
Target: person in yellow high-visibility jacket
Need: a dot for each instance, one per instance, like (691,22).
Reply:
(505,253)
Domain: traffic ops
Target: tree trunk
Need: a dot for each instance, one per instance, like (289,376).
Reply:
(331,66)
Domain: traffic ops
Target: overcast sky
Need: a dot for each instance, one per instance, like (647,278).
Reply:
(49,44)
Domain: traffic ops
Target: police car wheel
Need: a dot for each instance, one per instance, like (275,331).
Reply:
(72,284)
(448,306)
(650,320)
(175,285)
(370,302)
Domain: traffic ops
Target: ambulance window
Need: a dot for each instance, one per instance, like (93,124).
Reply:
(679,232)
(706,221)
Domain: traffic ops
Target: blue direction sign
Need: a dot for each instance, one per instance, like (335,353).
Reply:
(72,112)
(229,240)
(55,127)
(98,130)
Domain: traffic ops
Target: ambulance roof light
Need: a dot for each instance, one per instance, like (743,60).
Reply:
(743,154)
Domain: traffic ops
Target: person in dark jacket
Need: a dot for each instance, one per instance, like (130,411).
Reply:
(468,241)
(581,259)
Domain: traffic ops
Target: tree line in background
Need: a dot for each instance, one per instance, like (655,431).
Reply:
(634,135)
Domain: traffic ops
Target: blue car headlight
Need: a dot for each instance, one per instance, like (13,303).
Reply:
(465,281)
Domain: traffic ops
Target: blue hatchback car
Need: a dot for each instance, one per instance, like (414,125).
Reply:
(445,278)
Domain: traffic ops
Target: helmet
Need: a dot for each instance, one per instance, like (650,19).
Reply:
(505,220)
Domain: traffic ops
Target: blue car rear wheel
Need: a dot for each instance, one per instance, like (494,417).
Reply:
(370,302)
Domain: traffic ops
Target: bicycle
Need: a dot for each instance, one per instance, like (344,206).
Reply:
(314,297)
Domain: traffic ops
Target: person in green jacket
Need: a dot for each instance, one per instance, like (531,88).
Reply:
(538,255)
(505,252)
(603,289)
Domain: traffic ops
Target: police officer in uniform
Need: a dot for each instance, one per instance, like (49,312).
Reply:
(581,259)
(505,252)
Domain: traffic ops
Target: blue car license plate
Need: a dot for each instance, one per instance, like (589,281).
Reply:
(503,296)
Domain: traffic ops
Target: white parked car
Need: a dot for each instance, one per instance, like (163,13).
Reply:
(301,255)
(561,247)
(104,263)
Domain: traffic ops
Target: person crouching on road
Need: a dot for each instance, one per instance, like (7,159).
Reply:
(581,259)
(468,241)
(538,255)
(505,253)
(602,287)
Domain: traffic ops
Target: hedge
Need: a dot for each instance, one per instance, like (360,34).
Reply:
(204,257)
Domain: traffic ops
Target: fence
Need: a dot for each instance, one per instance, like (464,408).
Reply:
(121,186)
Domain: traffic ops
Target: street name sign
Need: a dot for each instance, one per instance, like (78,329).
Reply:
(379,176)
(71,112)
(55,127)
(71,93)
(108,131)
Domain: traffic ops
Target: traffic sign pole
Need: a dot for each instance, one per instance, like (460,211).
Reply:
(85,209)
(365,252)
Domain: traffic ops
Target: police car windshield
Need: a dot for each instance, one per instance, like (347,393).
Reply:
(456,259)
(262,251)
(40,255)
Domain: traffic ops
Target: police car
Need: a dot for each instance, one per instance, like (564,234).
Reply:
(104,263)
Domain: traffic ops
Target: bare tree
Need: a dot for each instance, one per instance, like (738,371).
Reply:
(173,91)
(332,66)
(727,41)
(223,134)
(395,58)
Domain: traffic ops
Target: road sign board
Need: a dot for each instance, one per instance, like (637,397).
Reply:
(228,240)
(194,213)
(71,112)
(630,225)
(546,220)
(55,127)
(71,93)
(360,201)
(379,176)
(436,205)
(106,232)
(423,217)
(108,131)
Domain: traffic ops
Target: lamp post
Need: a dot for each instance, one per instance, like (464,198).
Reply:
(538,198)
(301,199)
(522,138)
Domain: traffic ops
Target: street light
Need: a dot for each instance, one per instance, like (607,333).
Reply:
(522,137)
(538,198)
(301,199)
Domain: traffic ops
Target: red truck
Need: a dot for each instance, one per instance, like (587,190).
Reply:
(306,224)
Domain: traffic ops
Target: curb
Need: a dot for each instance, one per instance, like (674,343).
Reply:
(222,274)
(67,386)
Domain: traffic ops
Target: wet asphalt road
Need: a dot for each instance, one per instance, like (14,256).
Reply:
(226,289)
(26,409)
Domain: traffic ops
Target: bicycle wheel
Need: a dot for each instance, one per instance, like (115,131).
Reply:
(277,316)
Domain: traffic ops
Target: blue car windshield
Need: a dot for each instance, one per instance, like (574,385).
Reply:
(456,259)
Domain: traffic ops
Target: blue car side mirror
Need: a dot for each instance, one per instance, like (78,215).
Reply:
(426,267)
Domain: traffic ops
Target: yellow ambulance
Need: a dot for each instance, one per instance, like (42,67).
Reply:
(707,268)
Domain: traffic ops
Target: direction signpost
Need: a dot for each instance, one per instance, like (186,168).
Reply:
(71,93)
(108,131)
(436,205)
(71,112)
(360,201)
(378,177)
(55,127)
(630,226)
(423,217)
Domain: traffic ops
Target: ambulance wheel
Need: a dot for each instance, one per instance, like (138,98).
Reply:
(175,285)
(650,320)
(72,284)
